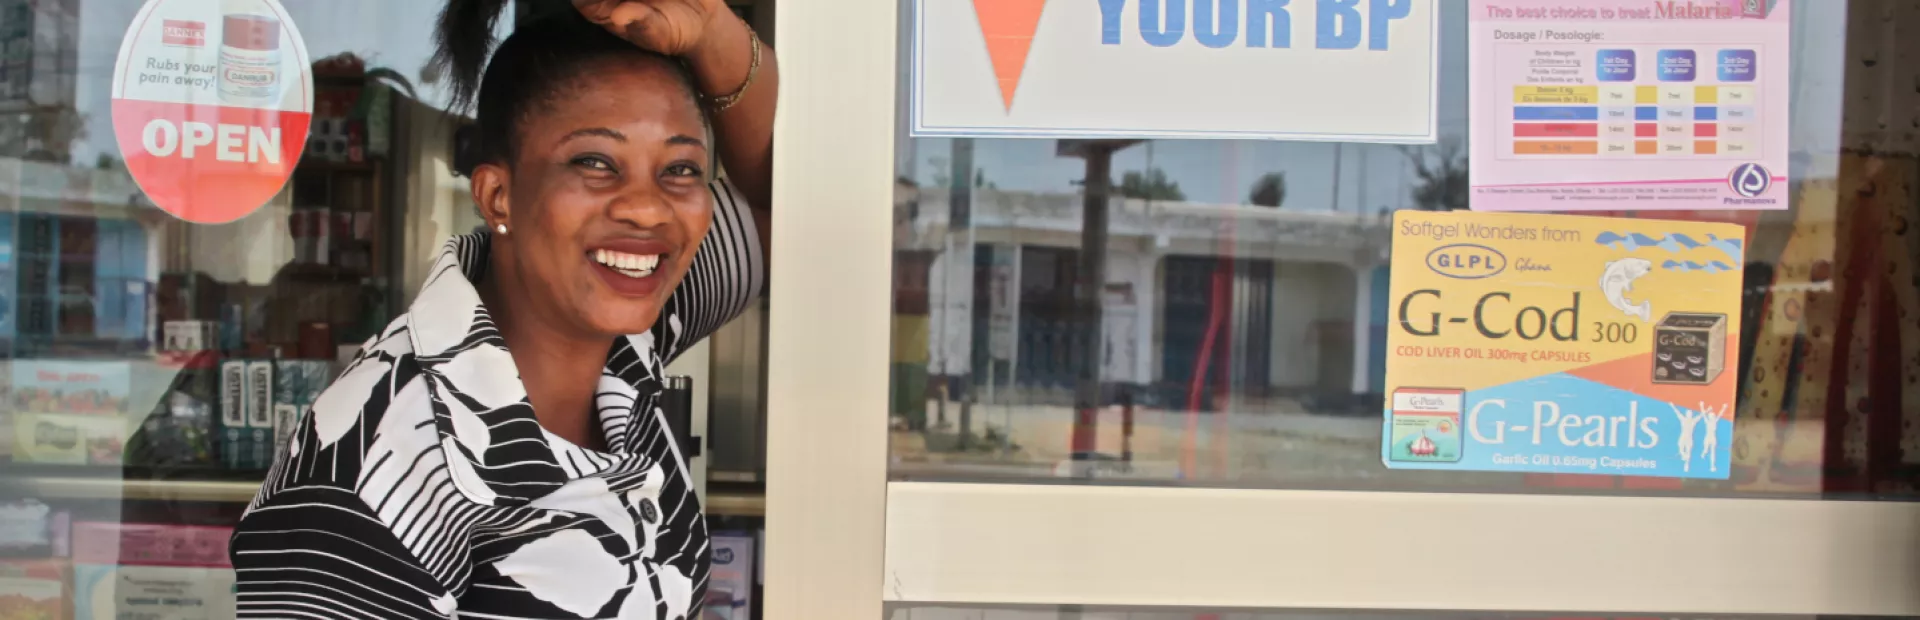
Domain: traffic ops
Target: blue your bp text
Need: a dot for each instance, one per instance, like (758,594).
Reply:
(1337,24)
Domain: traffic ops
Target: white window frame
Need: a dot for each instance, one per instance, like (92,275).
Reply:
(842,540)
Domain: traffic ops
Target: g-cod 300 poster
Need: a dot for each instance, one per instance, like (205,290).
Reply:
(1562,344)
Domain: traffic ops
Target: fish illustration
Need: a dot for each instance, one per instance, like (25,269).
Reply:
(1618,278)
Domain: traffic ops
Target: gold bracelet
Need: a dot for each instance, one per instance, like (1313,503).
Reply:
(721,103)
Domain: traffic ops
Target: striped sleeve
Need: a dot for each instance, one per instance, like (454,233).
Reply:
(728,274)
(319,552)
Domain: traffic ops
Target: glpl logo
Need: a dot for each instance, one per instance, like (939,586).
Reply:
(1466,261)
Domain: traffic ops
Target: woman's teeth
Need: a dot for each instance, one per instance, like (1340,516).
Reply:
(630,265)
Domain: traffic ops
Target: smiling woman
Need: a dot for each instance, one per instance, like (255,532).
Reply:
(499,447)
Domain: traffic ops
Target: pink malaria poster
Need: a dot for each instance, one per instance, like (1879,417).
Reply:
(1582,105)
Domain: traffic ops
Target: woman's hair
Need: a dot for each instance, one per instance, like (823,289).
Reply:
(532,67)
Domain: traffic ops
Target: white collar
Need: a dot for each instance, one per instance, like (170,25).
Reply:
(480,405)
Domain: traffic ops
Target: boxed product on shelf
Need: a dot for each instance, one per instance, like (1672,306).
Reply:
(312,230)
(232,433)
(70,386)
(144,570)
(34,589)
(68,439)
(189,336)
(246,413)
(113,592)
(233,327)
(67,411)
(28,529)
(55,441)
(296,385)
(6,411)
(259,407)
(730,580)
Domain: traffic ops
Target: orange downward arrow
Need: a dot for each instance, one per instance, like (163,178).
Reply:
(1008,27)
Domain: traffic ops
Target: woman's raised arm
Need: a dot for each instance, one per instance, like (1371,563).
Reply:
(728,61)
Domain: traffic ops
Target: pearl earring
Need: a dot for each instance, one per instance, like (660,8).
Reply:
(502,228)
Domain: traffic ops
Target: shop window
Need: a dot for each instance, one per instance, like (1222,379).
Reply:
(1237,334)
(120,319)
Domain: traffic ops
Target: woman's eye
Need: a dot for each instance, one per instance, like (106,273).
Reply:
(593,162)
(683,170)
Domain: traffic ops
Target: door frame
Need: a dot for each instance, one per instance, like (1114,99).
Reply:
(830,309)
(842,541)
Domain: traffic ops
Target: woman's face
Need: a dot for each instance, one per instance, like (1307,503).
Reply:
(606,201)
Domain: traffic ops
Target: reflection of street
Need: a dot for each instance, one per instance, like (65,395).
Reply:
(1250,448)
(1279,444)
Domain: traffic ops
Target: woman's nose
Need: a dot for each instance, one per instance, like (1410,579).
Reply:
(641,207)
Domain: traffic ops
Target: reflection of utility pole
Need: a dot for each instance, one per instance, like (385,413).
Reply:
(1336,176)
(1090,283)
(959,295)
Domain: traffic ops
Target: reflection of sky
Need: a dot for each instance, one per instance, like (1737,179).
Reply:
(384,33)
(1372,177)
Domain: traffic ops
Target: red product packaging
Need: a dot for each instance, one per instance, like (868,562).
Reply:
(150,544)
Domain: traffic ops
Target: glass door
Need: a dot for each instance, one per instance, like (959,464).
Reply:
(1075,375)
(164,327)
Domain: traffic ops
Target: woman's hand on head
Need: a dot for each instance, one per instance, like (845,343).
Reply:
(671,27)
(726,59)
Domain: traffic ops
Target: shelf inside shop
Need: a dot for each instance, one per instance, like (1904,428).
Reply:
(82,487)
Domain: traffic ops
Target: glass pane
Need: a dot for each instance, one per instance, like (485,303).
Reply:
(1241,295)
(119,320)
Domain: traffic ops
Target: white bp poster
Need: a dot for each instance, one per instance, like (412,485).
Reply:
(1328,70)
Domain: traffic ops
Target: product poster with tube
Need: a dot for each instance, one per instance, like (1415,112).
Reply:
(1562,344)
(212,100)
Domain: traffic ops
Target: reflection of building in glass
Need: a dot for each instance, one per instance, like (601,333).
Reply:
(1291,286)
(77,258)
(91,271)
(39,41)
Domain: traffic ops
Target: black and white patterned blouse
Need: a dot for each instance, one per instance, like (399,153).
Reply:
(420,484)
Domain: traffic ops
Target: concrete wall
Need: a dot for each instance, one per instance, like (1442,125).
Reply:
(1305,297)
